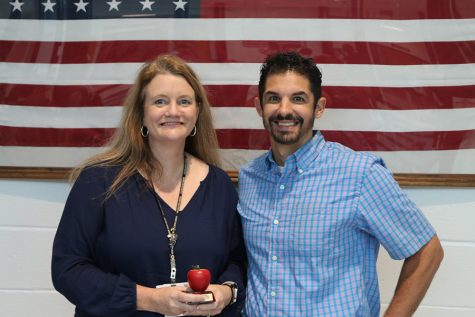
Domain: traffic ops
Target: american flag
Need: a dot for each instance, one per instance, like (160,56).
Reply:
(399,75)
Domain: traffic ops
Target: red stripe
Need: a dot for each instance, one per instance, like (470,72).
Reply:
(361,141)
(400,98)
(252,139)
(14,136)
(330,52)
(404,141)
(345,9)
(63,96)
(405,98)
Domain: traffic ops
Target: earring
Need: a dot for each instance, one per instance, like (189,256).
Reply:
(144,131)
(193,133)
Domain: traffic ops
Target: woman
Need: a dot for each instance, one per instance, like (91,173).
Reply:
(143,212)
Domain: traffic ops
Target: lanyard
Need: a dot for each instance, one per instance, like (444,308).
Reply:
(171,232)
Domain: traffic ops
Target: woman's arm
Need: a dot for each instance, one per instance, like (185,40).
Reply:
(236,269)
(75,272)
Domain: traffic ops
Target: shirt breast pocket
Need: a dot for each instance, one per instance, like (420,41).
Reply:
(313,234)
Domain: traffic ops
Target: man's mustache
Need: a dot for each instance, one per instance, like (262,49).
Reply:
(299,119)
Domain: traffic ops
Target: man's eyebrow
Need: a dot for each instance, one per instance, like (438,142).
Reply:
(299,93)
(270,92)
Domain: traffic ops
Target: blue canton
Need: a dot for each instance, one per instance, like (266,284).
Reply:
(313,230)
(98,9)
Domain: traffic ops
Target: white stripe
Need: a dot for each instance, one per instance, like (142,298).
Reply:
(45,156)
(54,117)
(430,162)
(361,119)
(240,29)
(443,162)
(397,120)
(242,73)
(233,159)
(247,118)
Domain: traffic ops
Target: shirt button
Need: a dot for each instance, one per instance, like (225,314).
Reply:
(274,258)
(282,186)
(300,170)
(276,222)
(272,294)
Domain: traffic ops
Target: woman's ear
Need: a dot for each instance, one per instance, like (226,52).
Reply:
(320,108)
(257,104)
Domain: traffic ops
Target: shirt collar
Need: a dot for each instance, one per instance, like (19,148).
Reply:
(304,156)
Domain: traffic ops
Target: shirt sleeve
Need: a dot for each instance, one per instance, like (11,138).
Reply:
(75,272)
(390,216)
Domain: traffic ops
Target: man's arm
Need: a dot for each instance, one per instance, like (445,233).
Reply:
(416,275)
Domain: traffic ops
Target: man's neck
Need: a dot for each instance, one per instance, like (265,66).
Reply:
(282,151)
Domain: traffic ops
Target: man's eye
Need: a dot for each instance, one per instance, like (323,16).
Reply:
(273,99)
(299,99)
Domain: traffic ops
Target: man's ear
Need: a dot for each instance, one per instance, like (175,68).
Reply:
(320,108)
(257,104)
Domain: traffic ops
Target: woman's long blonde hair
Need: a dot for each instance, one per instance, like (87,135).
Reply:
(129,150)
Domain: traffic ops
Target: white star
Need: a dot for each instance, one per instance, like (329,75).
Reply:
(16,5)
(180,4)
(114,5)
(147,4)
(48,6)
(81,5)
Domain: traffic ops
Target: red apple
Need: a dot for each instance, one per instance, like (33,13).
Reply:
(198,279)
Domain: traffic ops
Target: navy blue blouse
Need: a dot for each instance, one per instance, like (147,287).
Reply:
(102,249)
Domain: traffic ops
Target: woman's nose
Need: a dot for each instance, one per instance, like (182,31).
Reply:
(173,109)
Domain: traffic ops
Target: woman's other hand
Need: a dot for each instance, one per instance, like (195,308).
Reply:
(222,296)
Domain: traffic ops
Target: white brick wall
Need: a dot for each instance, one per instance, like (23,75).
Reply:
(452,293)
(30,211)
(29,215)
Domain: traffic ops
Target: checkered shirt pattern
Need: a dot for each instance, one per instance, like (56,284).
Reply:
(313,229)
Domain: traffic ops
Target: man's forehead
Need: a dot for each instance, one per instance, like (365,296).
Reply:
(289,82)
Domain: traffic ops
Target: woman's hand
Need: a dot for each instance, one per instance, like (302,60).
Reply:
(172,300)
(222,295)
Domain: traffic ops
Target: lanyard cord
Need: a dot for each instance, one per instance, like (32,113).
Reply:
(171,232)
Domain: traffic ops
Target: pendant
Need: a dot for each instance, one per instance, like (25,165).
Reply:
(172,268)
(172,238)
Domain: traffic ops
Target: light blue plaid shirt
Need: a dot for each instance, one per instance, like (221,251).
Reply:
(313,229)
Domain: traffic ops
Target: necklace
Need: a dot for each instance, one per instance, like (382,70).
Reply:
(171,232)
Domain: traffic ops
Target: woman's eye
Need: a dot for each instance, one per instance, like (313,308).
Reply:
(184,102)
(160,102)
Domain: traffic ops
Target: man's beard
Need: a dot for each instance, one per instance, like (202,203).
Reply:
(284,137)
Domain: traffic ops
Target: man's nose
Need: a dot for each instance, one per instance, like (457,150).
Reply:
(285,106)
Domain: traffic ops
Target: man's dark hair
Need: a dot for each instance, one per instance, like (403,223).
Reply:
(283,62)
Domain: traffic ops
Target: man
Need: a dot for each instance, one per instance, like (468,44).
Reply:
(314,213)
